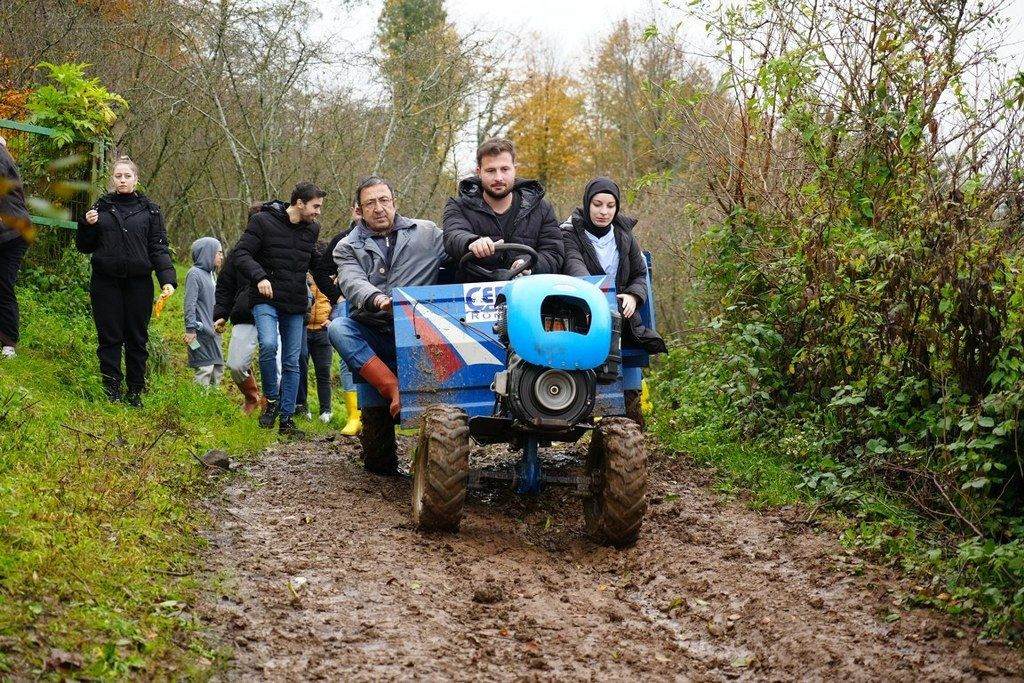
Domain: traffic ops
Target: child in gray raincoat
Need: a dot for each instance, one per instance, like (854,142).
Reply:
(204,350)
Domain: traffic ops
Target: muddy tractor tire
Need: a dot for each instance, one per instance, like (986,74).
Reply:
(440,469)
(380,451)
(617,464)
(634,408)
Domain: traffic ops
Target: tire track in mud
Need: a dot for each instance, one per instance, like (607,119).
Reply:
(319,576)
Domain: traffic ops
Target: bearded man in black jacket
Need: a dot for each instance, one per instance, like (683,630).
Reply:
(493,207)
(274,255)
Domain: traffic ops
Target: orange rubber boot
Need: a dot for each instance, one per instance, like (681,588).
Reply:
(379,375)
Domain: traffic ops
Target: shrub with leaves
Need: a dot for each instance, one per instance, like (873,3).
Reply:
(865,273)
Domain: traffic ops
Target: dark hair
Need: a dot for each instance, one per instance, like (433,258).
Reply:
(370,182)
(493,147)
(306,191)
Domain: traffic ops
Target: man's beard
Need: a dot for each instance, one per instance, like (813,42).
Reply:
(492,195)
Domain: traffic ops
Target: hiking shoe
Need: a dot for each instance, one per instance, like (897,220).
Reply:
(8,352)
(133,399)
(269,415)
(112,392)
(289,429)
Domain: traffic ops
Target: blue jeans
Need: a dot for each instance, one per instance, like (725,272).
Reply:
(347,381)
(269,324)
(357,344)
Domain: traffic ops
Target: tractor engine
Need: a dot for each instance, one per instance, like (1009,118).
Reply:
(560,335)
(546,397)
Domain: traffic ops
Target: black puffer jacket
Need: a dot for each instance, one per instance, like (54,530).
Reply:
(468,217)
(325,272)
(128,240)
(231,300)
(630,278)
(275,249)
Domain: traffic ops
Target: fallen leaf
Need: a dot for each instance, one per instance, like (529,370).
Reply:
(676,602)
(61,659)
(741,662)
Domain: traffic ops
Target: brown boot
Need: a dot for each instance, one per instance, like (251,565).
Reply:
(378,374)
(251,392)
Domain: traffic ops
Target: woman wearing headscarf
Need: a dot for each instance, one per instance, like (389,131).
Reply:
(599,240)
(124,232)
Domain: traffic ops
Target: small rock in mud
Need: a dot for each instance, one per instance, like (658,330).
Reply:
(216,459)
(538,664)
(488,594)
(816,601)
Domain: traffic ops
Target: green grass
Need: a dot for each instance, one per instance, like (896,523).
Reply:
(99,522)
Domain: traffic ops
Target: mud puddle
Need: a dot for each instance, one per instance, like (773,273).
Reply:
(319,576)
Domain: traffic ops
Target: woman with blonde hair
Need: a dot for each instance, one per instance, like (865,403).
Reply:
(124,231)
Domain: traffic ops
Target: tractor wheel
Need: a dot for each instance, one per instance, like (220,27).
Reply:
(380,452)
(618,464)
(634,408)
(440,469)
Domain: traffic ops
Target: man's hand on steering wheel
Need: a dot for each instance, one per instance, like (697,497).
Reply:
(484,247)
(517,263)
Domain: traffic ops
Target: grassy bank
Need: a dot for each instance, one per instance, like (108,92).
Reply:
(978,578)
(99,522)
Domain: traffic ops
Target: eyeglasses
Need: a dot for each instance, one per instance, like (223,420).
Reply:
(383,202)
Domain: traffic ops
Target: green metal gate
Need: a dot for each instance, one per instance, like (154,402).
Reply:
(21,135)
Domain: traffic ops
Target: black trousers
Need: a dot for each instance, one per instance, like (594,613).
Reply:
(319,348)
(11,253)
(121,308)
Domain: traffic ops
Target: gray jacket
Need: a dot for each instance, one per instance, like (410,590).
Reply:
(200,293)
(416,255)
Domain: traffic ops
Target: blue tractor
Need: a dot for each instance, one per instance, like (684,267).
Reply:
(527,362)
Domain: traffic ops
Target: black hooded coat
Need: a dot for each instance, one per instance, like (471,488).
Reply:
(630,278)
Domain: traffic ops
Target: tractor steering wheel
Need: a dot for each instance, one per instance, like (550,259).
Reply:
(468,263)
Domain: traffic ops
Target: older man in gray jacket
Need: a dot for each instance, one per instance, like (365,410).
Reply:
(383,251)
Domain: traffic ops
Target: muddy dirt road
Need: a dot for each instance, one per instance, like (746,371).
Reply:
(325,579)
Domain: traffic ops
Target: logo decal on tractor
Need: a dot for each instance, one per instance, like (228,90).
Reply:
(479,300)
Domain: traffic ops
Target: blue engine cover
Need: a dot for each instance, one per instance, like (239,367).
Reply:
(563,350)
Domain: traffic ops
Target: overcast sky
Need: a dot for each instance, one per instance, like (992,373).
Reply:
(569,27)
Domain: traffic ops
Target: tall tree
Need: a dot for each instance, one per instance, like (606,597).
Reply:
(547,125)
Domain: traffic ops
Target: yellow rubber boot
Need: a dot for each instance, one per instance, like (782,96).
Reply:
(354,424)
(645,398)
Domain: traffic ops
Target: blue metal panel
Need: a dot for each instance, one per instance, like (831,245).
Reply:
(565,350)
(448,352)
(446,345)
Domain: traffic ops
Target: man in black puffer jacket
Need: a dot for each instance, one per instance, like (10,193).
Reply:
(493,208)
(274,255)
